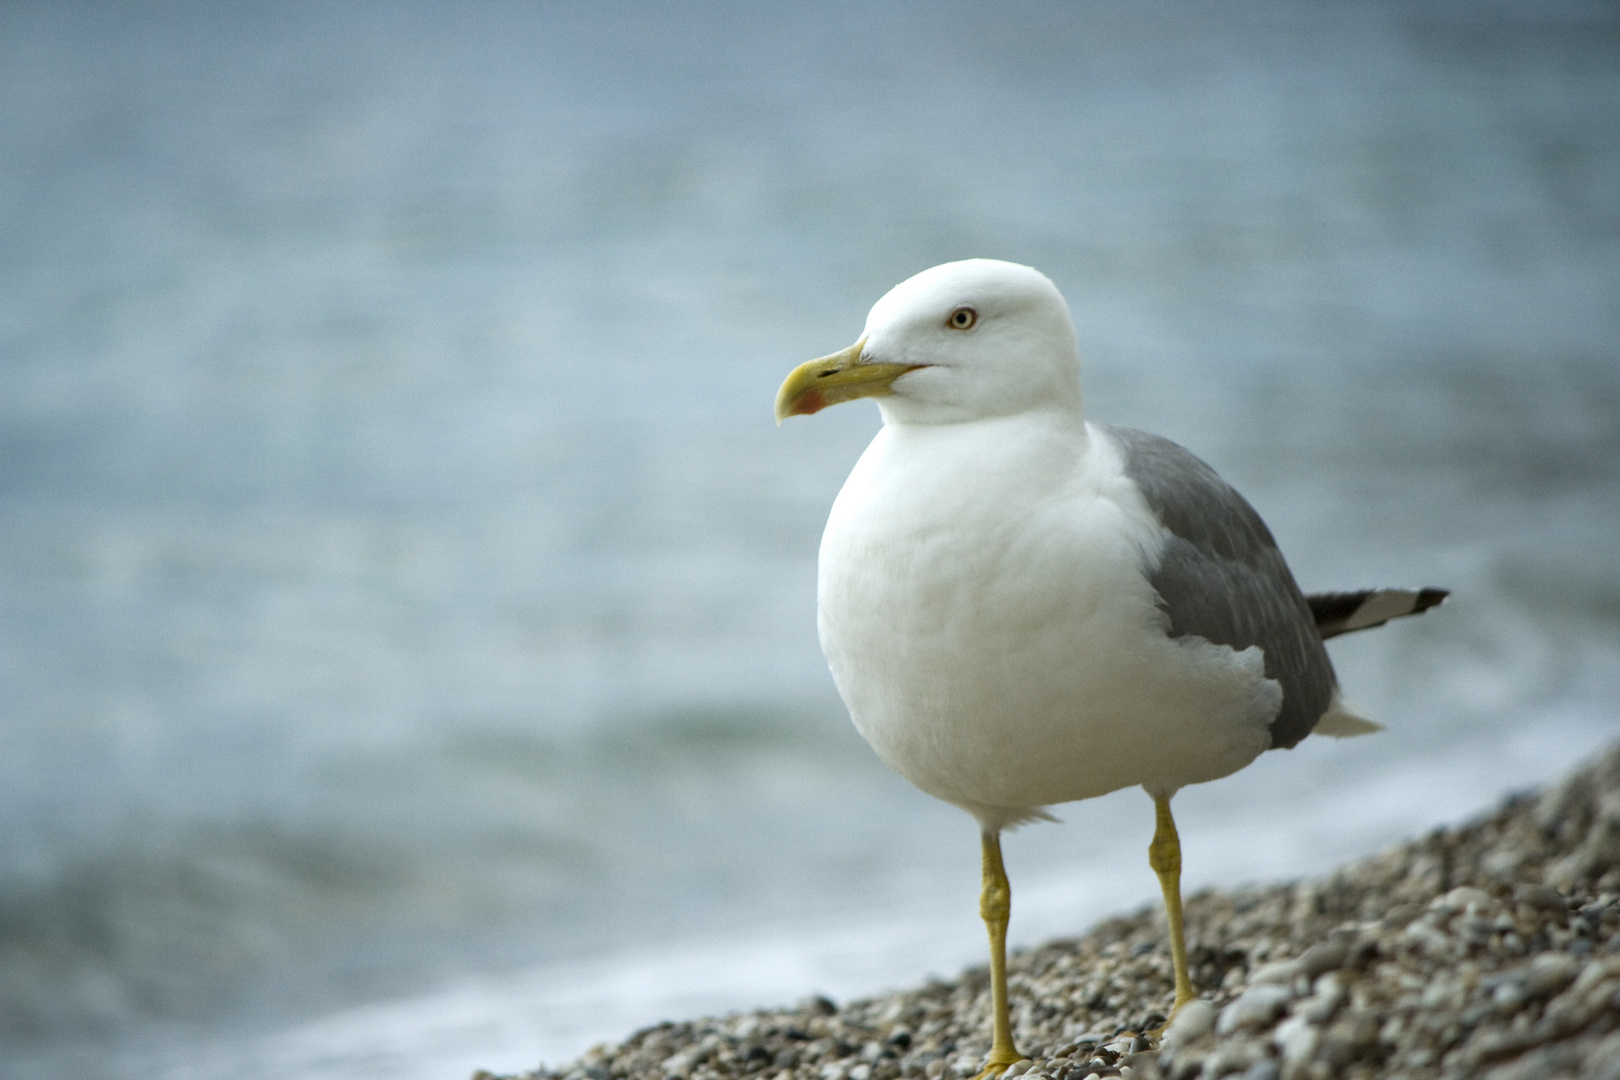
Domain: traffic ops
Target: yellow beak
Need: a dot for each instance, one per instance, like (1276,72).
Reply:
(813,386)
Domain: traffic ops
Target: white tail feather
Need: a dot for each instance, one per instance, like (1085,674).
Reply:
(1344,720)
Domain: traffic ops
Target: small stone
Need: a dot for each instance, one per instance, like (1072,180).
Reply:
(1256,1007)
(1328,994)
(1603,1059)
(680,1064)
(1017,1068)
(1461,899)
(1323,957)
(1297,1038)
(1194,1021)
(1233,1056)
(1430,938)
(1126,1042)
(1501,864)
(1282,972)
(1540,897)
(1550,972)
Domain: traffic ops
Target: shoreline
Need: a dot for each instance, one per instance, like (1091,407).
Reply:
(1485,949)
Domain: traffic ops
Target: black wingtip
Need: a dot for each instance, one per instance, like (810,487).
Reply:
(1428,598)
(1344,612)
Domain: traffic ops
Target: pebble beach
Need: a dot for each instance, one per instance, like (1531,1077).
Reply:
(1488,949)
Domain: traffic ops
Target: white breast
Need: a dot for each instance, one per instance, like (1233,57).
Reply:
(985,611)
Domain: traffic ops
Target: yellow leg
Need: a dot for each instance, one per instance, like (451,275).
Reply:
(995,906)
(1164,855)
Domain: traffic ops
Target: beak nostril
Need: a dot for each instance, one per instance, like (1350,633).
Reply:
(824,374)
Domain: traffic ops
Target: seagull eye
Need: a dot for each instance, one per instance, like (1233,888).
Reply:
(962,318)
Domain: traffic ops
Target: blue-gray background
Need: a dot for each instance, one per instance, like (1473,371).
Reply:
(407,657)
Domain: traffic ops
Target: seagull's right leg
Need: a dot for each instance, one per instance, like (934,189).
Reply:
(1164,855)
(995,906)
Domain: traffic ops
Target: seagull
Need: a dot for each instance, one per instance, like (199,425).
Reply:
(1021,608)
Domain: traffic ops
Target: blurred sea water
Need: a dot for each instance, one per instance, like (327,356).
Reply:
(407,651)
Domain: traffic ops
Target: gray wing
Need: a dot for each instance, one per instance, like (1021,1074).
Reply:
(1223,579)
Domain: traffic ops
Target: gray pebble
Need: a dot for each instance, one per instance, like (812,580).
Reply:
(1539,896)
(1194,1021)
(1323,957)
(1256,1007)
(1550,972)
(1280,972)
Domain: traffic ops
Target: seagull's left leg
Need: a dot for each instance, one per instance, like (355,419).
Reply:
(1164,855)
(995,906)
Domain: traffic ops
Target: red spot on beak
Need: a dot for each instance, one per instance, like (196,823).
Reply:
(809,404)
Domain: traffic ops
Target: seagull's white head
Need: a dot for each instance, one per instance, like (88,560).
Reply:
(962,341)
